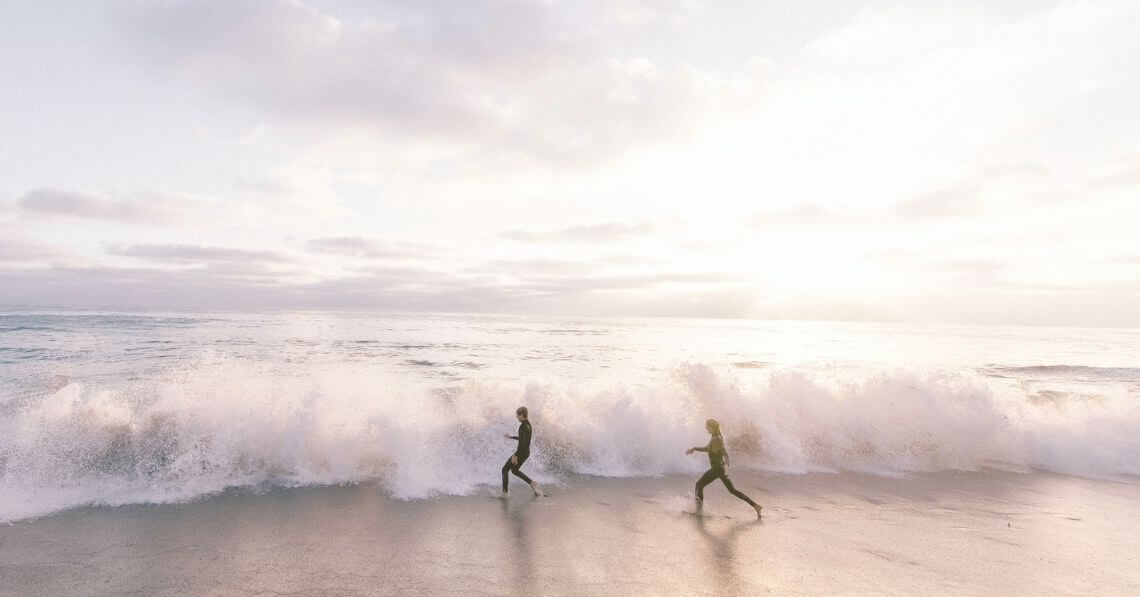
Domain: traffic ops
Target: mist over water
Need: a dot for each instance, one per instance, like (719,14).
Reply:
(113,408)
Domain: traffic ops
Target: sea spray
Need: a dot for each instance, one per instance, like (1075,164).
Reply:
(193,431)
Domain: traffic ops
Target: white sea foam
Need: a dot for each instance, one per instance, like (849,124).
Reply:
(200,430)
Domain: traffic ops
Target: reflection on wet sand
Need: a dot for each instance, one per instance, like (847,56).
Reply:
(720,552)
(1005,533)
(521,562)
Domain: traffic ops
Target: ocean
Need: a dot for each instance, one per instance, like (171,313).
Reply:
(132,407)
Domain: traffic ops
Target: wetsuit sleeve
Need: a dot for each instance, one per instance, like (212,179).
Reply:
(704,448)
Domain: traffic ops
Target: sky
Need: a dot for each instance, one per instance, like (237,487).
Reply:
(974,162)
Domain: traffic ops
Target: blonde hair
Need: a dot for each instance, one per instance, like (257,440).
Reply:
(714,425)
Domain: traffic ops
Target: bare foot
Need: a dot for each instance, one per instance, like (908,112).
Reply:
(758,509)
(537,490)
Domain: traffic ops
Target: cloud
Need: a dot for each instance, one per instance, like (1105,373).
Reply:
(801,215)
(234,286)
(1014,170)
(640,13)
(404,110)
(1050,197)
(972,273)
(702,246)
(940,204)
(229,279)
(967,266)
(545,266)
(182,254)
(264,274)
(167,209)
(138,287)
(368,248)
(518,78)
(1124,260)
(293,60)
(596,233)
(407,274)
(425,293)
(435,290)
(294,192)
(642,281)
(1118,176)
(18,250)
(527,268)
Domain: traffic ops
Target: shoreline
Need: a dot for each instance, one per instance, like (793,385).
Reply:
(947,533)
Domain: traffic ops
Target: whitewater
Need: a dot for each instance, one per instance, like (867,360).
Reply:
(113,408)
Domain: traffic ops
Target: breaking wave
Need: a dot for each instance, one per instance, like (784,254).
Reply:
(196,431)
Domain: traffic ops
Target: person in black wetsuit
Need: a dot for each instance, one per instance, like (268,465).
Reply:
(521,453)
(718,460)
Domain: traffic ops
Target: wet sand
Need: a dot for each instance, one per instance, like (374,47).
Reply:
(948,534)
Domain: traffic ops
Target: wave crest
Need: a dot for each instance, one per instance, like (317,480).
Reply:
(198,431)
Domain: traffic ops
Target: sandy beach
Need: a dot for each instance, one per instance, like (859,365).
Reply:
(951,534)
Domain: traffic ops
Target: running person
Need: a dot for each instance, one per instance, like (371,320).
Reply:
(521,453)
(718,461)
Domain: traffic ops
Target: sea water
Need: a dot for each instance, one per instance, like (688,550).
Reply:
(116,407)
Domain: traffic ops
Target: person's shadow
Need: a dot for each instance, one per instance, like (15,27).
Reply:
(721,553)
(521,560)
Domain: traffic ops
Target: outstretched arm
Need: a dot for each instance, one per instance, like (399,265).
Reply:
(697,449)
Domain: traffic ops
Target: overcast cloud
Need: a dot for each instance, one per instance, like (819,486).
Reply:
(152,208)
(966,161)
(594,233)
(196,254)
(369,248)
